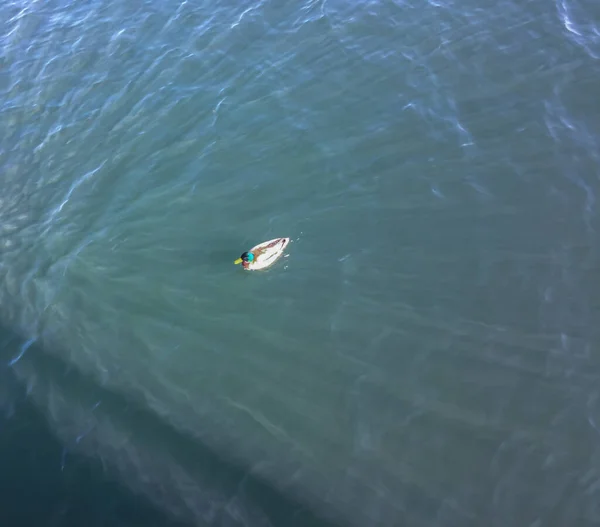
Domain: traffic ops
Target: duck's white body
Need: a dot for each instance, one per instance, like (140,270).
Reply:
(266,253)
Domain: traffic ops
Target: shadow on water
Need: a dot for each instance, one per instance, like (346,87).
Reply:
(43,487)
(85,455)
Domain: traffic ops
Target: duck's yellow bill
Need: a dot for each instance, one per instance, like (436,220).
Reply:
(238,261)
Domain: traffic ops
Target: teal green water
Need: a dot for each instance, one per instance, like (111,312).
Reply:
(427,351)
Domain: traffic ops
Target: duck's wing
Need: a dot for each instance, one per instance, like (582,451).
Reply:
(262,247)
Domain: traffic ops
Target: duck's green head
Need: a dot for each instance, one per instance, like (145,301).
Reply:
(246,257)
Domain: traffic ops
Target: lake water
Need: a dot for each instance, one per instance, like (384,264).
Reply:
(426,354)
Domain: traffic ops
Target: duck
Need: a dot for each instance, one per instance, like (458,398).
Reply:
(263,255)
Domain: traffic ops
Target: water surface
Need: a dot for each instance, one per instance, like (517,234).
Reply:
(426,354)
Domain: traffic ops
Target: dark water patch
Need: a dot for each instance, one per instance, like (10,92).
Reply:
(82,437)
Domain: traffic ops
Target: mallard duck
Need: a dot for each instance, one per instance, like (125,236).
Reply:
(263,255)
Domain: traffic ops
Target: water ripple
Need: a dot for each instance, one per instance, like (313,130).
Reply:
(581,21)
